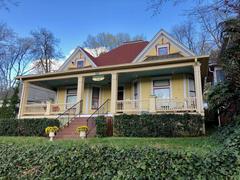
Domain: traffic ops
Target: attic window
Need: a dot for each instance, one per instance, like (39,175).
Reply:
(80,63)
(162,49)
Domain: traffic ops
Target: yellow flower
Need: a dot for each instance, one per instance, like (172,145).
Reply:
(82,128)
(51,129)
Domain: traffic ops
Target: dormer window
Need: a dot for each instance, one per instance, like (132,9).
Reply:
(80,63)
(162,49)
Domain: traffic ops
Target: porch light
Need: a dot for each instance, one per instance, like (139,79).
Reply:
(98,78)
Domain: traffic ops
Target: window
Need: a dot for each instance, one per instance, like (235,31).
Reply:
(192,92)
(71,96)
(162,50)
(219,76)
(136,90)
(80,63)
(161,88)
(95,97)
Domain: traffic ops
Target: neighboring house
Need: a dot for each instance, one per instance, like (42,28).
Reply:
(160,76)
(216,73)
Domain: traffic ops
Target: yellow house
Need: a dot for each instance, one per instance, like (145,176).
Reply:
(159,76)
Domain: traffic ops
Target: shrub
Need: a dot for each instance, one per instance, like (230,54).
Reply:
(106,162)
(51,161)
(229,135)
(101,126)
(148,125)
(25,127)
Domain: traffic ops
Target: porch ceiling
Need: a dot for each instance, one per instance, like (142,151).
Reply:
(128,77)
(54,84)
(123,78)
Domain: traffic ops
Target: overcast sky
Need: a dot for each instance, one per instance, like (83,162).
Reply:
(72,20)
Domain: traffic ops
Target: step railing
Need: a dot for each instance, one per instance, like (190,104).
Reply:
(101,110)
(71,113)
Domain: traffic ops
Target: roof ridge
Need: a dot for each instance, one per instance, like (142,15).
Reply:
(133,41)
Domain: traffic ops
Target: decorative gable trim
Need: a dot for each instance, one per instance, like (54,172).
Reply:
(77,50)
(153,42)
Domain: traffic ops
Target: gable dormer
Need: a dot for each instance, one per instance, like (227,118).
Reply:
(77,60)
(163,46)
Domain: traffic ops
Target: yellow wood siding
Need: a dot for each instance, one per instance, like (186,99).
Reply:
(177,84)
(73,63)
(127,91)
(145,90)
(163,40)
(61,95)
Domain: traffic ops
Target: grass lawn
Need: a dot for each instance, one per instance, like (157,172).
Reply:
(200,145)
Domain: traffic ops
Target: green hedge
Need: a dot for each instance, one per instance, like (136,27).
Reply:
(54,161)
(101,126)
(25,127)
(106,162)
(168,125)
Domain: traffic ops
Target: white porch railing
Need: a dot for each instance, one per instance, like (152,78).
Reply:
(47,108)
(133,105)
(151,104)
(188,104)
(157,105)
(35,109)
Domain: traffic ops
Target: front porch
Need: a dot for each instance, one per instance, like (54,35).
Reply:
(161,89)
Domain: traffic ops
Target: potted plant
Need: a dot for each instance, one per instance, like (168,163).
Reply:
(51,130)
(82,130)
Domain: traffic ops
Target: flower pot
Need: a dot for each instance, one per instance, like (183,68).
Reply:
(51,135)
(82,134)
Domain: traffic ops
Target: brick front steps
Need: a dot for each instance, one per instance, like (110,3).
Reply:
(69,132)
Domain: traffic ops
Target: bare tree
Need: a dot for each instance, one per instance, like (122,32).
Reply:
(5,4)
(108,40)
(225,6)
(207,15)
(44,50)
(14,57)
(187,34)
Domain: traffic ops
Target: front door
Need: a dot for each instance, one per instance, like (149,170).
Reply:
(120,97)
(95,97)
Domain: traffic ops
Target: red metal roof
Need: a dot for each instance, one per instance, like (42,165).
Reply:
(125,53)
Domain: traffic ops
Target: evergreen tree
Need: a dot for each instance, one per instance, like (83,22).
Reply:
(9,108)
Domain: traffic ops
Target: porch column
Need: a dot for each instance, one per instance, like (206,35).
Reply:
(114,89)
(23,99)
(80,92)
(198,86)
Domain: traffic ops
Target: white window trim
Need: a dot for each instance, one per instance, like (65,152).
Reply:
(188,79)
(139,89)
(215,73)
(78,60)
(162,78)
(66,89)
(184,86)
(161,46)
